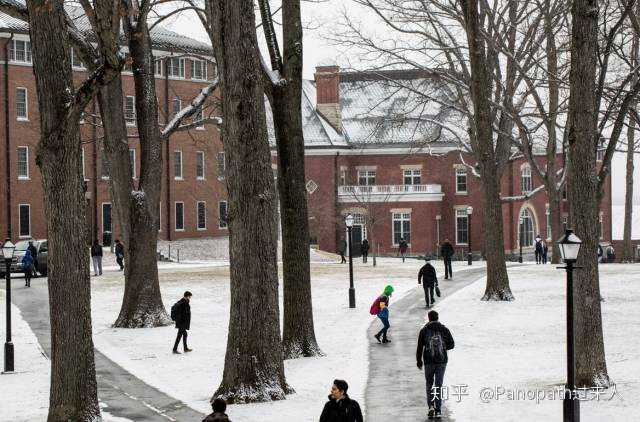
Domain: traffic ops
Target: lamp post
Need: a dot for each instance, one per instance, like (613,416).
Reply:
(7,254)
(352,291)
(569,246)
(520,230)
(469,256)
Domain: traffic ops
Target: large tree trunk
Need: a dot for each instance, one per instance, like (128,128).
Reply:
(298,338)
(73,394)
(497,277)
(254,369)
(555,215)
(591,368)
(627,248)
(142,303)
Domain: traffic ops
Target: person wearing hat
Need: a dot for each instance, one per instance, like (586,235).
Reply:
(429,280)
(340,407)
(383,314)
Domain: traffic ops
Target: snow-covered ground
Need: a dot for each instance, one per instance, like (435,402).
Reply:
(519,348)
(192,378)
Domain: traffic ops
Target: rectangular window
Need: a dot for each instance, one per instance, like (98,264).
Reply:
(200,165)
(221,165)
(25,220)
(222,215)
(75,60)
(179,216)
(176,105)
(462,227)
(22,106)
(198,70)
(177,165)
(401,227)
(23,163)
(157,67)
(366,177)
(565,222)
(106,218)
(132,162)
(20,51)
(461,180)
(130,110)
(176,67)
(343,177)
(104,167)
(412,177)
(197,117)
(202,215)
(526,184)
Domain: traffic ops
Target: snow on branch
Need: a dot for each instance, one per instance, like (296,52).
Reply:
(14,9)
(274,76)
(522,197)
(190,110)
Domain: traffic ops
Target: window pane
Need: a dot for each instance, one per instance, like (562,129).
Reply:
(176,105)
(177,164)
(198,69)
(25,220)
(130,110)
(222,214)
(158,67)
(23,162)
(221,164)
(21,103)
(179,216)
(132,162)
(202,215)
(200,165)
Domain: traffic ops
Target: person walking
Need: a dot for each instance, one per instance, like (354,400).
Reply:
(120,254)
(219,406)
(402,248)
(181,314)
(342,249)
(27,267)
(96,257)
(34,254)
(429,280)
(434,340)
(381,310)
(446,251)
(545,252)
(364,250)
(538,249)
(340,407)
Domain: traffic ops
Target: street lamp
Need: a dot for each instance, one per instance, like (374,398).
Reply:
(569,246)
(469,212)
(352,291)
(7,254)
(521,230)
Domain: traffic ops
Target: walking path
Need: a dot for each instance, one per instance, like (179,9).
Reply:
(396,389)
(125,395)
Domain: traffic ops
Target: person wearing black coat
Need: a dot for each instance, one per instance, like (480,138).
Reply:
(364,250)
(181,314)
(96,257)
(342,250)
(340,407)
(219,407)
(429,280)
(120,254)
(34,255)
(446,251)
(402,248)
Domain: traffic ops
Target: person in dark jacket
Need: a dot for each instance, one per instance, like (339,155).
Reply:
(27,267)
(429,280)
(120,254)
(433,342)
(402,248)
(342,249)
(538,249)
(545,252)
(182,316)
(340,407)
(364,250)
(34,255)
(446,250)
(219,407)
(96,257)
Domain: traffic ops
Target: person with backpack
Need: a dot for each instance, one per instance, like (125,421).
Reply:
(364,250)
(27,267)
(340,407)
(219,406)
(342,250)
(380,308)
(446,251)
(120,254)
(428,278)
(402,248)
(181,314)
(433,342)
(96,257)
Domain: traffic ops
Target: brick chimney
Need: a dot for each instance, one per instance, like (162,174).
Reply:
(328,95)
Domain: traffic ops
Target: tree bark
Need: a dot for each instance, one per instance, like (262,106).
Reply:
(73,393)
(254,369)
(627,249)
(591,368)
(497,277)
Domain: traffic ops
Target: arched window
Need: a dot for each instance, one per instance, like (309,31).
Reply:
(525,180)
(527,227)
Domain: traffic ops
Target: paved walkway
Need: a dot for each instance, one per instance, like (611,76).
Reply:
(125,395)
(396,389)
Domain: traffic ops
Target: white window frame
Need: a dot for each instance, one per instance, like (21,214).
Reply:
(526,179)
(73,58)
(181,67)
(102,218)
(223,225)
(529,212)
(130,116)
(199,115)
(198,155)
(411,174)
(158,64)
(343,177)
(175,216)
(548,214)
(204,69)
(20,235)
(175,175)
(601,224)
(133,162)
(24,118)
(223,164)
(367,175)
(403,216)
(28,53)
(173,105)
(198,228)
(26,148)
(456,216)
(460,172)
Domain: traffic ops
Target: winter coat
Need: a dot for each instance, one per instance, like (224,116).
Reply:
(539,247)
(217,417)
(96,250)
(427,330)
(183,314)
(403,246)
(27,260)
(342,247)
(119,250)
(427,275)
(34,252)
(364,248)
(446,250)
(343,410)
(383,313)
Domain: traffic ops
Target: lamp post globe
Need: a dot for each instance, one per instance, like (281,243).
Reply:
(348,221)
(469,254)
(7,253)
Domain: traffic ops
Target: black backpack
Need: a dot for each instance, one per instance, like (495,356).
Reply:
(434,347)
(174,311)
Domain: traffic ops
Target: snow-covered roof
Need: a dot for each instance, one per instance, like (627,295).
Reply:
(161,38)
